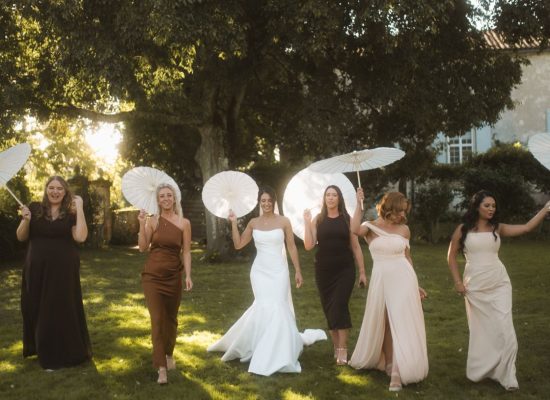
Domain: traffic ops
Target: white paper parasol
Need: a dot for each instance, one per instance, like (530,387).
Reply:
(539,145)
(358,161)
(230,190)
(139,187)
(11,161)
(306,189)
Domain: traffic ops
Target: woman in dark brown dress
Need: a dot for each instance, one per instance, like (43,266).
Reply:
(54,324)
(334,265)
(168,238)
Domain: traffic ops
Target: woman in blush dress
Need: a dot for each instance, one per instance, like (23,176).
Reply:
(487,289)
(392,336)
(266,334)
(338,253)
(167,236)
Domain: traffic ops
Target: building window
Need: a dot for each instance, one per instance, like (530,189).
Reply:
(460,149)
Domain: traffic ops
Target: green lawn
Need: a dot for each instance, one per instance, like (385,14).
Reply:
(119,329)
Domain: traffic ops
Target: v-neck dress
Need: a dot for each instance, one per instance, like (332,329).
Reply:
(54,323)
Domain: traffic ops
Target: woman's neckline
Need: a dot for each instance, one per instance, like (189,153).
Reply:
(266,230)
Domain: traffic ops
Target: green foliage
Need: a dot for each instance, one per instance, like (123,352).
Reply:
(313,77)
(511,173)
(431,204)
(524,19)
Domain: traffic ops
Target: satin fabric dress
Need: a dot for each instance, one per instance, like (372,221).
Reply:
(266,335)
(393,288)
(161,280)
(493,345)
(54,323)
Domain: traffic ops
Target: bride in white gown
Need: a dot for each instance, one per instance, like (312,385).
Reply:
(266,334)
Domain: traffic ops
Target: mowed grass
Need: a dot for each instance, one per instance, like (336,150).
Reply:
(119,328)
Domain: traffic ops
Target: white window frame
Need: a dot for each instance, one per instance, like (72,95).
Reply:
(461,143)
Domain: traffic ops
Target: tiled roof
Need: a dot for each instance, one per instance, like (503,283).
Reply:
(496,41)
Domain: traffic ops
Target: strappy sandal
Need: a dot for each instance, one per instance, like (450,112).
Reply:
(342,356)
(395,386)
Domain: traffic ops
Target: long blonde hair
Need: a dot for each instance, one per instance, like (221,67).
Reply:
(177,202)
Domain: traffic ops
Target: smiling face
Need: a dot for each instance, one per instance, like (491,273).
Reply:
(266,203)
(55,192)
(166,199)
(331,198)
(487,208)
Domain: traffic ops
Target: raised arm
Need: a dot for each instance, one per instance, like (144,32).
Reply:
(293,252)
(186,253)
(310,230)
(145,234)
(355,224)
(23,230)
(239,241)
(517,230)
(80,230)
(452,254)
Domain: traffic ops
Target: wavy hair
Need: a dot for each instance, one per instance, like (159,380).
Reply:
(66,207)
(391,204)
(177,204)
(341,205)
(471,217)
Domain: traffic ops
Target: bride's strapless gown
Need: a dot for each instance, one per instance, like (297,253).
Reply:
(266,334)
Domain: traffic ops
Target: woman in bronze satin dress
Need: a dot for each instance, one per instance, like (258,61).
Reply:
(167,236)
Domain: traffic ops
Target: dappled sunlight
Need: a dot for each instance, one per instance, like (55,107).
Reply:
(135,297)
(212,390)
(6,366)
(116,365)
(201,339)
(93,299)
(192,318)
(354,379)
(11,279)
(128,315)
(289,394)
(191,360)
(134,342)
(15,348)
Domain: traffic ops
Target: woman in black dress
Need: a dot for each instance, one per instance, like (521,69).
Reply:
(334,265)
(54,324)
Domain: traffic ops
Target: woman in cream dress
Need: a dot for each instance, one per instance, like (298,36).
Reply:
(487,290)
(266,334)
(393,336)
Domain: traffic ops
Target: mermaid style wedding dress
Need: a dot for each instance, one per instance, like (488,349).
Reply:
(266,334)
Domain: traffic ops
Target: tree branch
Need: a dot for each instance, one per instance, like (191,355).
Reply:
(125,116)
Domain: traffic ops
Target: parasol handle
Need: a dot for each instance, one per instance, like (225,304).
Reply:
(14,196)
(359,181)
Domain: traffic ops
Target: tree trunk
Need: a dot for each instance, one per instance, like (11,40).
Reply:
(211,158)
